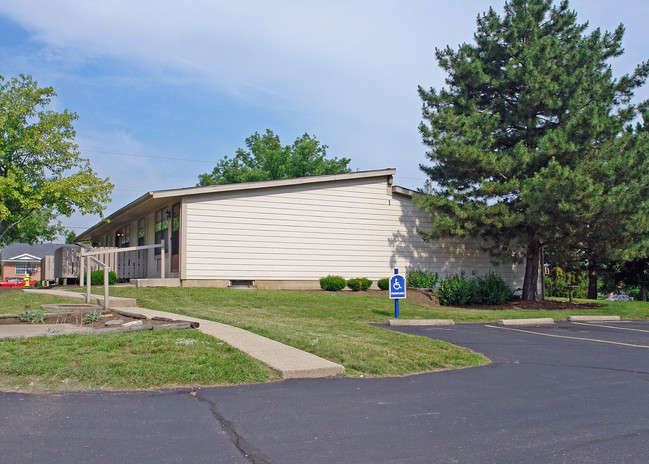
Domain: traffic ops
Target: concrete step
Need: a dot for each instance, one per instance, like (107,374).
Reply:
(168,282)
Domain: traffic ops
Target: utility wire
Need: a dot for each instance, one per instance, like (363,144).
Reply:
(141,155)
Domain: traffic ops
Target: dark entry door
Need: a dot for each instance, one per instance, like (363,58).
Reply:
(175,237)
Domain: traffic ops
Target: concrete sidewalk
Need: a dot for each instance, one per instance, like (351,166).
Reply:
(290,362)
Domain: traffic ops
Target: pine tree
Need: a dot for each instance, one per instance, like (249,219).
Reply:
(524,107)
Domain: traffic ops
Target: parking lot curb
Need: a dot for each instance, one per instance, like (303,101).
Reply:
(537,321)
(420,322)
(593,318)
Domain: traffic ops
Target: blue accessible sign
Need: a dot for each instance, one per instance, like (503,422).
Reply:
(397,287)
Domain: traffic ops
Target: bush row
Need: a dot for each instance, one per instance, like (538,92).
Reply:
(458,290)
(97,277)
(334,283)
(455,290)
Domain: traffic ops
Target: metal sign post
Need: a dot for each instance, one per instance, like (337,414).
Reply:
(397,290)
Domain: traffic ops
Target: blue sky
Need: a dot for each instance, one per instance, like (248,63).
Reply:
(164,89)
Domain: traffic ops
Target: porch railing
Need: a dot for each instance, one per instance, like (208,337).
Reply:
(128,263)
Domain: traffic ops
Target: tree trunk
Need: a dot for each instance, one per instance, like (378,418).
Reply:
(592,281)
(643,292)
(531,282)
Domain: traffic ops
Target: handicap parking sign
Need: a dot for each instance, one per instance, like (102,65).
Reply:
(397,287)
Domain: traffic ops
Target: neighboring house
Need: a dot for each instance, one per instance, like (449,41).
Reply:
(19,259)
(288,233)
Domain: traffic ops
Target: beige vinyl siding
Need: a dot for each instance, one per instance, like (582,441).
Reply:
(447,256)
(351,228)
(295,233)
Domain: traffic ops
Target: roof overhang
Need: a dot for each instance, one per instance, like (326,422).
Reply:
(24,258)
(153,200)
(404,191)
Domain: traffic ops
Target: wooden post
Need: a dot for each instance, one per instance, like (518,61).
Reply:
(88,280)
(162,260)
(81,270)
(106,270)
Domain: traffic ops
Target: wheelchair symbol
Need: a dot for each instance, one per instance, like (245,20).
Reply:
(396,285)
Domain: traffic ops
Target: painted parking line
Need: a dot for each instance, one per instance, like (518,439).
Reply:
(610,327)
(568,337)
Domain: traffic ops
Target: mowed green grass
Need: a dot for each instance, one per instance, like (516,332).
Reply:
(119,361)
(15,301)
(334,326)
(125,361)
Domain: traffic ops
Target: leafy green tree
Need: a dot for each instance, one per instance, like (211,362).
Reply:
(635,272)
(70,236)
(527,108)
(267,159)
(42,174)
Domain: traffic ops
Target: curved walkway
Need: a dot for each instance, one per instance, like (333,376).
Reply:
(290,362)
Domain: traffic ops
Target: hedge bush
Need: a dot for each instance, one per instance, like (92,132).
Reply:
(332,283)
(359,284)
(383,284)
(421,279)
(493,290)
(97,277)
(457,290)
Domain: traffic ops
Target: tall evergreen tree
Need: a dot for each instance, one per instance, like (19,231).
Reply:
(600,203)
(525,105)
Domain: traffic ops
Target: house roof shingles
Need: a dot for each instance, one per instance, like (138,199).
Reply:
(39,250)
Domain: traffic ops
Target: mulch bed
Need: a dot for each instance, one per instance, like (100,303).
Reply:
(545,304)
(75,319)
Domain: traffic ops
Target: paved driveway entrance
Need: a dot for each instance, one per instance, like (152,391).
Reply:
(572,394)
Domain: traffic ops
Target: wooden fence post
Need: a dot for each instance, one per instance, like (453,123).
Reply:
(88,280)
(162,260)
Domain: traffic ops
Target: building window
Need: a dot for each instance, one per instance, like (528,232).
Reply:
(123,237)
(161,227)
(107,241)
(126,237)
(175,228)
(24,268)
(141,232)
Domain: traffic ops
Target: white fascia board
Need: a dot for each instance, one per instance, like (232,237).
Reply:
(271,183)
(24,258)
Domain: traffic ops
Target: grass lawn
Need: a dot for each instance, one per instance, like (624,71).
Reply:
(135,360)
(118,361)
(331,325)
(15,301)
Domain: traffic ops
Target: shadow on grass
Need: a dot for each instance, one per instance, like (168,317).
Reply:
(382,312)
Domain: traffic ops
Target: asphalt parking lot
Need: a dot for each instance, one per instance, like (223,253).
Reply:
(576,393)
